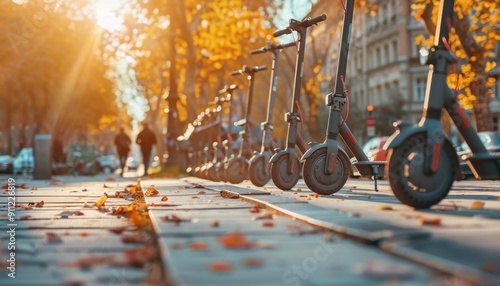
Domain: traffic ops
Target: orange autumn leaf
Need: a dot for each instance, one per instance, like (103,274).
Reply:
(255,209)
(267,223)
(55,182)
(6,186)
(118,210)
(235,240)
(100,202)
(198,245)
(151,192)
(195,197)
(83,233)
(430,221)
(252,262)
(134,238)
(201,192)
(214,223)
(164,199)
(476,205)
(220,266)
(135,217)
(51,237)
(117,229)
(384,208)
(40,204)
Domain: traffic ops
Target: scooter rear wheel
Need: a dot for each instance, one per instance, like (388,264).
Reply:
(279,172)
(320,181)
(405,173)
(259,176)
(236,170)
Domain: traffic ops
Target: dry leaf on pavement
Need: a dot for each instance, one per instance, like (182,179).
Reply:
(430,221)
(151,192)
(477,205)
(164,199)
(198,245)
(235,240)
(100,202)
(384,208)
(252,262)
(51,237)
(220,266)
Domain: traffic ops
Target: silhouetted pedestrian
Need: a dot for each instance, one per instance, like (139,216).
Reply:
(122,143)
(146,139)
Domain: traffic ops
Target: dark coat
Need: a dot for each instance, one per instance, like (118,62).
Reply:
(122,143)
(146,139)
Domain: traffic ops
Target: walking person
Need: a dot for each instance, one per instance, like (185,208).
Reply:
(122,143)
(146,139)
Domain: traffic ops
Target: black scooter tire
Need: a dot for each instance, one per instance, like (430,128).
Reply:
(321,182)
(257,173)
(279,173)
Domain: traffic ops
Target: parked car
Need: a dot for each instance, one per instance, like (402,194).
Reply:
(6,164)
(109,163)
(24,162)
(132,163)
(491,141)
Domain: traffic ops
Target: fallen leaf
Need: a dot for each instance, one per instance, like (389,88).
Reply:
(164,199)
(255,209)
(384,208)
(135,217)
(197,186)
(105,186)
(119,210)
(195,197)
(175,219)
(110,179)
(235,240)
(177,245)
(214,223)
(308,198)
(70,213)
(25,217)
(151,192)
(430,221)
(220,266)
(34,189)
(55,182)
(51,237)
(267,223)
(117,229)
(133,238)
(264,216)
(198,245)
(83,233)
(252,262)
(316,195)
(476,205)
(3,215)
(6,186)
(100,202)
(40,204)
(201,192)
(22,186)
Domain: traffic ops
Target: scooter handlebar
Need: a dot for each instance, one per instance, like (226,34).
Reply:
(272,47)
(238,72)
(304,23)
(282,32)
(313,21)
(258,51)
(282,46)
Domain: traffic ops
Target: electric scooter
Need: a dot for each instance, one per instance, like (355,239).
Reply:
(285,166)
(258,168)
(228,142)
(326,166)
(237,166)
(422,163)
(218,148)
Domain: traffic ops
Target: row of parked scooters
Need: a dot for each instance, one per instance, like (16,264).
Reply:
(325,167)
(421,163)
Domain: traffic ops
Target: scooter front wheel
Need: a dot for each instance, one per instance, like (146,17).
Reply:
(318,180)
(408,179)
(257,172)
(236,171)
(280,175)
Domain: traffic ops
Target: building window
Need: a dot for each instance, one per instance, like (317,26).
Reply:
(496,125)
(419,89)
(377,57)
(495,89)
(387,58)
(395,50)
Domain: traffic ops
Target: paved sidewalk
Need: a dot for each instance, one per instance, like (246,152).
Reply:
(58,236)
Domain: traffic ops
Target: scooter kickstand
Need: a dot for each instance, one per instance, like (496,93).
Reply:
(375,176)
